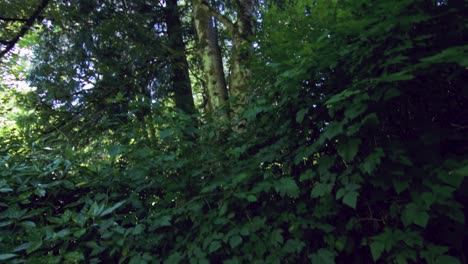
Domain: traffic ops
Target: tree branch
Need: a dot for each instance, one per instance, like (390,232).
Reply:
(221,18)
(24,29)
(13,19)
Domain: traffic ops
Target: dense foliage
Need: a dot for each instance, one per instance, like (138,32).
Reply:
(354,147)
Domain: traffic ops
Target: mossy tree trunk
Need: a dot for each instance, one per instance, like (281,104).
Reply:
(210,53)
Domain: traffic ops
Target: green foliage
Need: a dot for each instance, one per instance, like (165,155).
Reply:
(354,151)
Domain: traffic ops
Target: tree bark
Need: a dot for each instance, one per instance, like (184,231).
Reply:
(241,54)
(212,60)
(180,70)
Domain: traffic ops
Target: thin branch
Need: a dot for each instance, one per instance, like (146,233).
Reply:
(24,29)
(13,19)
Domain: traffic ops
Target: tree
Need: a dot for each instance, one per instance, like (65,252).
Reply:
(14,18)
(180,70)
(211,57)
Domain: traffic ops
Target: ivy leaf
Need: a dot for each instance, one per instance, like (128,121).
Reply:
(349,149)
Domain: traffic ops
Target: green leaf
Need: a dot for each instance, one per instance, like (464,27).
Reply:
(377,248)
(251,198)
(351,199)
(400,185)
(324,256)
(276,236)
(413,214)
(342,96)
(300,115)
(235,241)
(340,193)
(348,149)
(5,190)
(391,93)
(63,233)
(320,189)
(23,247)
(174,258)
(452,54)
(113,208)
(287,186)
(35,245)
(446,259)
(7,256)
(400,76)
(215,245)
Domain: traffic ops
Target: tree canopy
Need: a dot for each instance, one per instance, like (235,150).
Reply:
(229,131)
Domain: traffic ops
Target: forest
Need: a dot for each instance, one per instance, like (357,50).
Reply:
(234,131)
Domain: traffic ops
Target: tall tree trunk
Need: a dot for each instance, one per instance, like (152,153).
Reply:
(242,34)
(211,57)
(180,70)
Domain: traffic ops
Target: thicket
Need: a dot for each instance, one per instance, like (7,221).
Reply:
(354,151)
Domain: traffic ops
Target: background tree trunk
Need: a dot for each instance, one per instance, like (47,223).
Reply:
(180,70)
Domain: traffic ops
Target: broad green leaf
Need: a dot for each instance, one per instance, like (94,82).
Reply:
(320,189)
(351,199)
(235,241)
(174,258)
(324,256)
(276,236)
(377,248)
(251,198)
(413,214)
(349,149)
(215,245)
(400,185)
(287,186)
(340,193)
